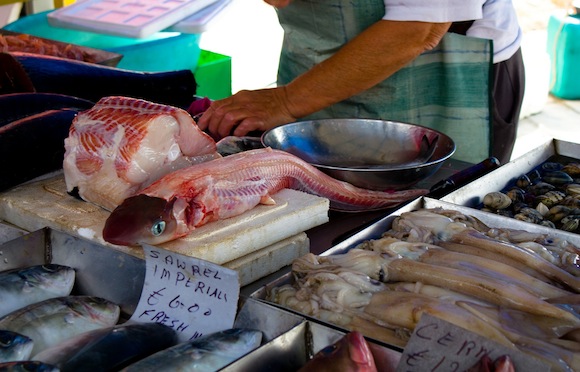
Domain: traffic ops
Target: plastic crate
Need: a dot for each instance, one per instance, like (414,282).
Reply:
(213,75)
(163,51)
(564,51)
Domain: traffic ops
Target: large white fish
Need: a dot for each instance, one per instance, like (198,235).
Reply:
(208,353)
(111,348)
(190,197)
(52,321)
(123,144)
(14,346)
(24,286)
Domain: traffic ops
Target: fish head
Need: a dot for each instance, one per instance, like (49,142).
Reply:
(100,310)
(350,353)
(142,219)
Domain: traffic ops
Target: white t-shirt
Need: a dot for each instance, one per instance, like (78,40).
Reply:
(493,19)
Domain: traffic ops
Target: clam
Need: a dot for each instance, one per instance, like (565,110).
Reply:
(516,194)
(541,187)
(557,212)
(573,189)
(529,215)
(573,169)
(557,178)
(550,198)
(497,200)
(570,223)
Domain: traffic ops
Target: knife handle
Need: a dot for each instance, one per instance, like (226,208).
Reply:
(463,177)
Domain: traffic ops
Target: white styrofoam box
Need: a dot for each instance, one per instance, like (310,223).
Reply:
(46,203)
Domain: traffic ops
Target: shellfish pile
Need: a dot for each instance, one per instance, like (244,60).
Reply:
(549,196)
(519,289)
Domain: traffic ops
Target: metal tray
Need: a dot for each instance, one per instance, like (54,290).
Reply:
(289,339)
(261,289)
(471,195)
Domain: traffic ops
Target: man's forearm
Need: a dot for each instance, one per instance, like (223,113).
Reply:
(365,61)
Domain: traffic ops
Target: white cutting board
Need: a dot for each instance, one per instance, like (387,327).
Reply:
(45,203)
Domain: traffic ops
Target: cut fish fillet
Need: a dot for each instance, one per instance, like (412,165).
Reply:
(123,144)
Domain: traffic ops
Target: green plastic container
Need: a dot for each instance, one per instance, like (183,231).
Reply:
(163,51)
(564,52)
(213,75)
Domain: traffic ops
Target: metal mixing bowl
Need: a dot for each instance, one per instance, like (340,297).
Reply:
(373,154)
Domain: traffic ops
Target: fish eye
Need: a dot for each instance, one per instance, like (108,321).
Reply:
(328,349)
(158,227)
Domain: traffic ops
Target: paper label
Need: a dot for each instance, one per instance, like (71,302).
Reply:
(192,296)
(437,345)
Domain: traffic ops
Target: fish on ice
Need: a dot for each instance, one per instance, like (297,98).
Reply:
(123,144)
(176,204)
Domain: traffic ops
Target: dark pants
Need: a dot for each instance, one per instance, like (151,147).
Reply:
(508,94)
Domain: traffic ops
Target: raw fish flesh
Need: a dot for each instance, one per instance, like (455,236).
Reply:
(123,144)
(190,197)
(25,286)
(208,353)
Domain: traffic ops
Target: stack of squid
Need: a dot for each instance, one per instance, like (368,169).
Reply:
(517,288)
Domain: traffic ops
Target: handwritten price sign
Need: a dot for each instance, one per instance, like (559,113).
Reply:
(439,346)
(192,296)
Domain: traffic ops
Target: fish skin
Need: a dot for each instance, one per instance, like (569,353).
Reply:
(17,106)
(54,320)
(14,346)
(27,366)
(22,141)
(92,350)
(208,353)
(24,286)
(123,144)
(92,81)
(349,354)
(227,187)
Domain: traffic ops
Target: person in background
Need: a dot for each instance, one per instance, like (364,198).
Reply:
(456,68)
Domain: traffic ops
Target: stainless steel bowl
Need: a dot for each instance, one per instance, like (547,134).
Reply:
(373,154)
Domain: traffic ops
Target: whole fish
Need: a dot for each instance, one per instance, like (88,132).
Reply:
(92,82)
(27,366)
(109,349)
(52,321)
(25,286)
(190,197)
(34,145)
(349,354)
(208,353)
(14,346)
(123,144)
(17,106)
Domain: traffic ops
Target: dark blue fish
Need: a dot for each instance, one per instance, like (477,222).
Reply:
(17,106)
(33,146)
(14,346)
(91,81)
(111,348)
(27,366)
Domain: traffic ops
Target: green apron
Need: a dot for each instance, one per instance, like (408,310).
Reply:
(447,88)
